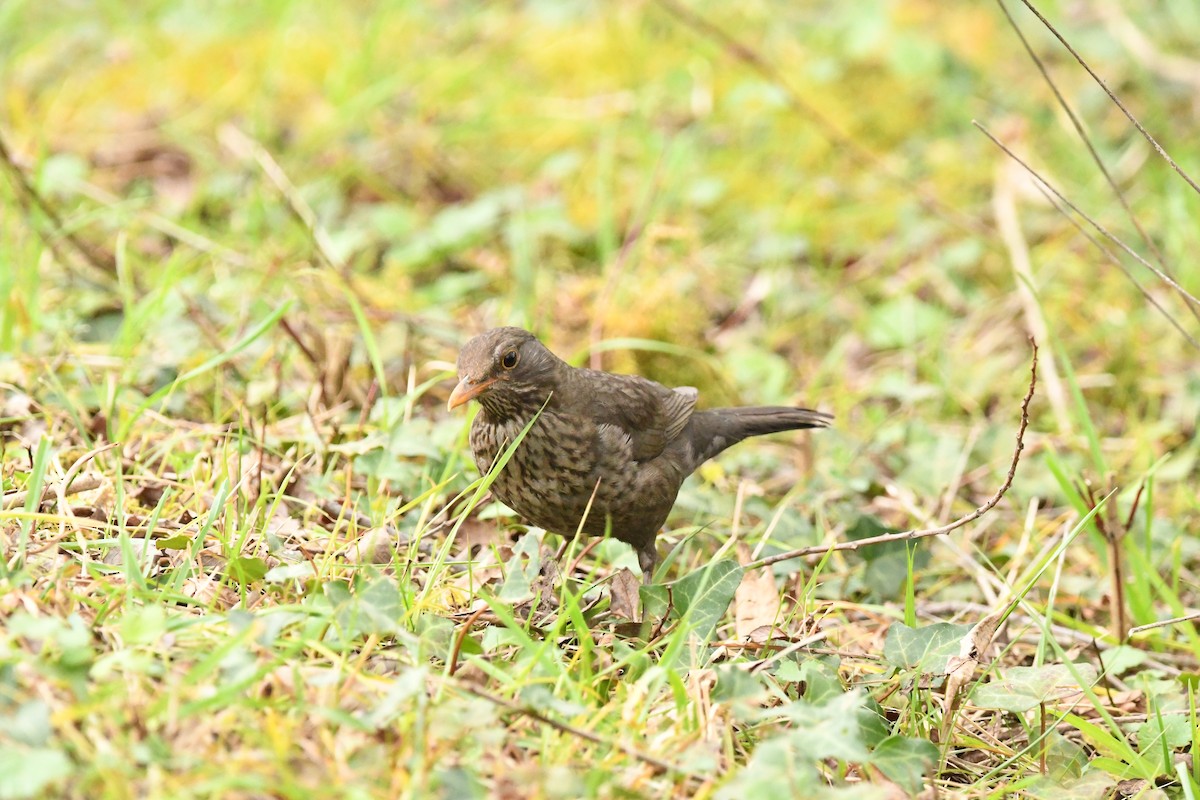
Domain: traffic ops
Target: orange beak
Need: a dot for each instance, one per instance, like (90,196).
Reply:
(467,390)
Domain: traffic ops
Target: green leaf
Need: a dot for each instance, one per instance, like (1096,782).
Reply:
(786,765)
(1121,659)
(778,768)
(381,604)
(828,730)
(702,597)
(405,692)
(287,572)
(70,639)
(903,322)
(1019,689)
(866,526)
(246,569)
(29,724)
(29,771)
(656,600)
(459,782)
(818,676)
(375,606)
(177,542)
(521,570)
(143,625)
(1174,731)
(906,761)
(1065,760)
(734,683)
(926,648)
(1092,785)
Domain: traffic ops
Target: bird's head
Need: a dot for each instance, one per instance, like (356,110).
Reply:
(507,370)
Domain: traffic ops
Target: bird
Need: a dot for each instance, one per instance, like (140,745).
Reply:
(606,453)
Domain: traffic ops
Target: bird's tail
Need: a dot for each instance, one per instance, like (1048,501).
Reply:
(721,428)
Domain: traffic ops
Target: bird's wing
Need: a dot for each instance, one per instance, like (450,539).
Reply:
(649,413)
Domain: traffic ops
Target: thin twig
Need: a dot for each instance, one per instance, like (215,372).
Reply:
(923,533)
(1153,142)
(65,484)
(102,262)
(654,761)
(1162,623)
(68,484)
(1149,298)
(1078,125)
(17,499)
(462,635)
(295,336)
(1167,279)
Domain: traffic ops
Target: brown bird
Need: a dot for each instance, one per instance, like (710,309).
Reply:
(608,452)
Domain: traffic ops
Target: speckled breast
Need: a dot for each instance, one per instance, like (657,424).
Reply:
(555,470)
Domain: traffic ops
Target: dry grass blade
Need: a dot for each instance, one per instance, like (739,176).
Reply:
(1005,204)
(1162,623)
(67,485)
(243,146)
(17,499)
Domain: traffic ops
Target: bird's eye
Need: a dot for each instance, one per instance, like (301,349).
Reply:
(509,359)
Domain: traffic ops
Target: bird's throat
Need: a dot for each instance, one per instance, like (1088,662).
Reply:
(507,403)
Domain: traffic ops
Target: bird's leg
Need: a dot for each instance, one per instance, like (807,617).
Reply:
(647,558)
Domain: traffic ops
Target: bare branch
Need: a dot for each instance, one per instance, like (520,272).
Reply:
(1079,129)
(103,262)
(654,761)
(923,533)
(1167,279)
(1153,142)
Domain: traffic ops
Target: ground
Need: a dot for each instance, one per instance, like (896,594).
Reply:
(244,551)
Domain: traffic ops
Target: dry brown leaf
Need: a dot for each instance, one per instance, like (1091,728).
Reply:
(209,591)
(624,596)
(475,534)
(960,669)
(756,601)
(544,583)
(375,546)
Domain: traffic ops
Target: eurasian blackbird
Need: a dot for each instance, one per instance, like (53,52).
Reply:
(607,452)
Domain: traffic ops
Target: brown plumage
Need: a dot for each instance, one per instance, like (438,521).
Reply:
(623,443)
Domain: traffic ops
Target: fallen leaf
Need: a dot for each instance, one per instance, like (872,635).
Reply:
(375,546)
(623,594)
(756,601)
(960,669)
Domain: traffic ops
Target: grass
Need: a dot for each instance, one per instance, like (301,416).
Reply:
(244,551)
